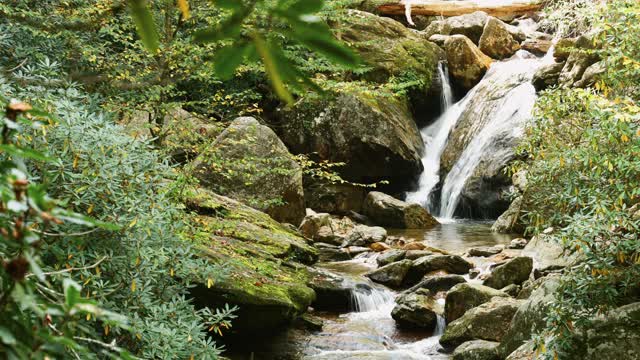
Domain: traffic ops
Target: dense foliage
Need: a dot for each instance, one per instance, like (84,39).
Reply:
(583,180)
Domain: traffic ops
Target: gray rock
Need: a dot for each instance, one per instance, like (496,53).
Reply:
(331,292)
(244,146)
(476,350)
(538,43)
(485,251)
(469,25)
(547,76)
(509,222)
(497,41)
(416,254)
(391,275)
(518,243)
(390,256)
(452,264)
(575,67)
(515,271)
(438,39)
(388,211)
(466,296)
(591,75)
(512,289)
(363,235)
(548,255)
(416,311)
(488,321)
(312,223)
(438,283)
(525,352)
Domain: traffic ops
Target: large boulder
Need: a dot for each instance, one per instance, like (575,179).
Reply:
(548,254)
(388,211)
(390,256)
(391,275)
(374,134)
(339,199)
(574,69)
(248,162)
(437,283)
(477,350)
(547,76)
(332,294)
(452,264)
(530,317)
(488,321)
(497,41)
(253,248)
(363,235)
(470,25)
(514,271)
(417,310)
(467,64)
(463,297)
(509,222)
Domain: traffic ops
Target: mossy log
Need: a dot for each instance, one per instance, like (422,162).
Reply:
(497,8)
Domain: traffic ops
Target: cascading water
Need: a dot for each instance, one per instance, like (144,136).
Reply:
(366,298)
(435,138)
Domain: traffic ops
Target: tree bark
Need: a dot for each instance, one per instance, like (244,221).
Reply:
(497,8)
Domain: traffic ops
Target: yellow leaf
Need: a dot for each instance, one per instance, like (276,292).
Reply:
(183,5)
(624,138)
(90,209)
(138,261)
(106,330)
(75,162)
(139,336)
(133,286)
(171,272)
(88,317)
(133,223)
(209,283)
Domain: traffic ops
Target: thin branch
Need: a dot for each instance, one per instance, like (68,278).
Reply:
(73,269)
(18,66)
(65,234)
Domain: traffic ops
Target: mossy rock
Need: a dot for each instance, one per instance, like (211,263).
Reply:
(265,262)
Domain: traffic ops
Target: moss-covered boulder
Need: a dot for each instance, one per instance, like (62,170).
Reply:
(467,63)
(514,271)
(391,275)
(248,162)
(477,350)
(373,133)
(466,296)
(417,310)
(266,262)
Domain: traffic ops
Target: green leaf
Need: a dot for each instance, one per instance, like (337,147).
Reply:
(71,292)
(229,4)
(328,47)
(271,67)
(302,7)
(228,29)
(23,152)
(228,58)
(144,24)
(6,336)
(80,219)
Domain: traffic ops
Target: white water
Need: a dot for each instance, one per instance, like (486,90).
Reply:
(435,138)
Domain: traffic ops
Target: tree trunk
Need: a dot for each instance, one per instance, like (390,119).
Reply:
(497,8)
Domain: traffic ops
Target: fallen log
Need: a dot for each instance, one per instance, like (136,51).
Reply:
(497,8)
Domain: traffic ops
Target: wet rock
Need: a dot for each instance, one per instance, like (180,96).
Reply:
(326,235)
(363,235)
(515,271)
(467,64)
(488,321)
(331,292)
(379,247)
(310,322)
(387,211)
(414,246)
(452,264)
(509,222)
(519,243)
(390,256)
(547,76)
(473,273)
(244,146)
(438,283)
(530,317)
(485,251)
(538,43)
(469,25)
(416,311)
(356,250)
(496,40)
(476,350)
(391,275)
(463,297)
(329,252)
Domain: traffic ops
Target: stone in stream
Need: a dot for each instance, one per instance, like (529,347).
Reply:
(330,252)
(416,254)
(331,293)
(363,235)
(485,251)
(417,310)
(312,223)
(391,275)
(466,296)
(470,25)
(477,350)
(438,283)
(515,271)
(388,211)
(390,256)
(467,64)
(496,40)
(488,321)
(452,264)
(379,247)
(519,243)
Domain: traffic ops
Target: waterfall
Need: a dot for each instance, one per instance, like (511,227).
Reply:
(508,99)
(435,138)
(367,298)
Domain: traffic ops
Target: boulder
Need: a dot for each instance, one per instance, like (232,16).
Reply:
(312,223)
(476,350)
(509,222)
(525,352)
(329,253)
(391,275)
(466,296)
(259,170)
(387,211)
(452,264)
(467,64)
(338,199)
(254,248)
(390,256)
(538,43)
(591,75)
(564,48)
(363,235)
(575,67)
(497,41)
(379,247)
(469,25)
(374,134)
(485,251)
(416,311)
(438,39)
(518,243)
(327,235)
(530,317)
(515,271)
(547,76)
(548,255)
(331,292)
(437,283)
(488,321)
